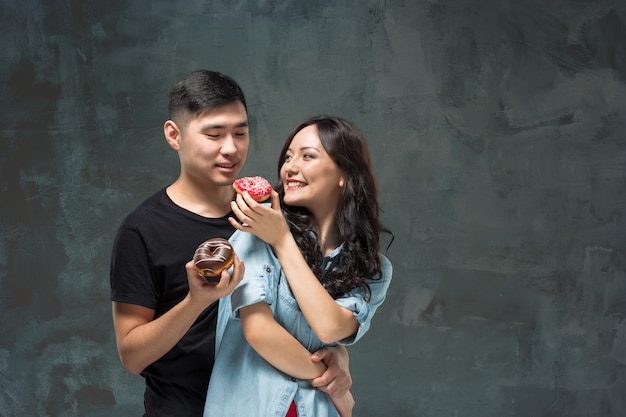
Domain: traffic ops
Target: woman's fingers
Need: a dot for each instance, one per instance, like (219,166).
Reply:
(236,224)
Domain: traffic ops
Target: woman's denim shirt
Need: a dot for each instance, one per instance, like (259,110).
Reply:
(242,382)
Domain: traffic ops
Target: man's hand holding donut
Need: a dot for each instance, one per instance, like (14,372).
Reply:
(203,293)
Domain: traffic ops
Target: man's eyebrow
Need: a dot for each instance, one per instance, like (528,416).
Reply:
(209,126)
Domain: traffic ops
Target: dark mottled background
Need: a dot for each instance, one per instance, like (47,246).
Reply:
(498,133)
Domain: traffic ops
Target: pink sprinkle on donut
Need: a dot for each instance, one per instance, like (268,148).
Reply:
(258,187)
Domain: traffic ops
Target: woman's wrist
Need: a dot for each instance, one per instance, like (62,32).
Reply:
(284,244)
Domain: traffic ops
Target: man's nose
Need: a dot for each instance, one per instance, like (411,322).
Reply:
(228,145)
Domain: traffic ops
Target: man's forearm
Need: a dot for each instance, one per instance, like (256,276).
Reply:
(142,343)
(336,381)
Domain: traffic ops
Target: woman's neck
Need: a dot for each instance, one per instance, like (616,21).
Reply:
(328,236)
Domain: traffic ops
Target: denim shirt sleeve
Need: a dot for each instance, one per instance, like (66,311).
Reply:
(260,264)
(364,310)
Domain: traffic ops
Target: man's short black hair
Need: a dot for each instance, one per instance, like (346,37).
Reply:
(203,90)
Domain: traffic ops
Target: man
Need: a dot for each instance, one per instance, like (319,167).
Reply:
(164,313)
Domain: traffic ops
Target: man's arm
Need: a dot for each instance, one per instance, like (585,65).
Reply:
(141,339)
(336,381)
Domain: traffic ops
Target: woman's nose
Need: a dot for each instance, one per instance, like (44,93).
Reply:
(290,166)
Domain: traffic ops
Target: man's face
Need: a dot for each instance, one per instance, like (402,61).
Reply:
(214,145)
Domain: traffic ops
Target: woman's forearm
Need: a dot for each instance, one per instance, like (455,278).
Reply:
(329,321)
(276,345)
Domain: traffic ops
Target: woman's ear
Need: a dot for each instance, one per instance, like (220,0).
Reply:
(172,134)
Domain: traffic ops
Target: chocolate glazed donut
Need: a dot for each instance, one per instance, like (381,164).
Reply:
(212,257)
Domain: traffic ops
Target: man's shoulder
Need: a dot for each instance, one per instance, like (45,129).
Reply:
(158,214)
(137,216)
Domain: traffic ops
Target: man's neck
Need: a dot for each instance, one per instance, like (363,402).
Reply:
(211,202)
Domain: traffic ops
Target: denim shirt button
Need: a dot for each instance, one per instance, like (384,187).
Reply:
(268,269)
(294,379)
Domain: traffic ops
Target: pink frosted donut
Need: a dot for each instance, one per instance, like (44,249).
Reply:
(258,187)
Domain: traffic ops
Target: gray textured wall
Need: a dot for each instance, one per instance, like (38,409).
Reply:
(498,131)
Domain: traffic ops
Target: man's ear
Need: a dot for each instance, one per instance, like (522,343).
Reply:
(172,134)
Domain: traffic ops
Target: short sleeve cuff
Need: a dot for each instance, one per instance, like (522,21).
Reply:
(250,291)
(361,310)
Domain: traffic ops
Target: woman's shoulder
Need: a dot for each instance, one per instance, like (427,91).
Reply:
(246,244)
(384,261)
(247,237)
(386,267)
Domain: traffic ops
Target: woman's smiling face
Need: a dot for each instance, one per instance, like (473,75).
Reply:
(310,178)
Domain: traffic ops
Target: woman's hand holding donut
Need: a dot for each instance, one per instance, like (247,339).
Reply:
(266,223)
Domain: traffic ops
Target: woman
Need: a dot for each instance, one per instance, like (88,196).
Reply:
(313,276)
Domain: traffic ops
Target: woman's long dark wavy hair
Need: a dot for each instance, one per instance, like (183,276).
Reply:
(357,217)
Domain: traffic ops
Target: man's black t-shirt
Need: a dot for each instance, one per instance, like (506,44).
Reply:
(150,251)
